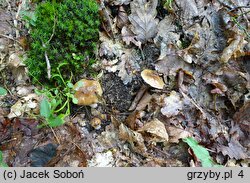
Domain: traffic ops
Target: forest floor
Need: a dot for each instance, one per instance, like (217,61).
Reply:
(168,72)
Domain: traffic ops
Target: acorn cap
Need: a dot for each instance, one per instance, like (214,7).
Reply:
(87,92)
(152,78)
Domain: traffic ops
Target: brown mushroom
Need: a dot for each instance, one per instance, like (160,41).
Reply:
(152,78)
(87,92)
(96,123)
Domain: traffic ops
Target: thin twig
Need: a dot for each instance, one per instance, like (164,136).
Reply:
(57,139)
(138,97)
(17,17)
(45,53)
(224,4)
(239,7)
(11,38)
(47,62)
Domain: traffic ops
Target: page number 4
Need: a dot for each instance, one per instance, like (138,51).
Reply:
(240,174)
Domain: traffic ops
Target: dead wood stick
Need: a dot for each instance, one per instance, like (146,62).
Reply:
(138,97)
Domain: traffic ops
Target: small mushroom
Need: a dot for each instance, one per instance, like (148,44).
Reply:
(87,92)
(152,78)
(96,123)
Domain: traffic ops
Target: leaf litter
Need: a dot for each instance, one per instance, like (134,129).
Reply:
(198,52)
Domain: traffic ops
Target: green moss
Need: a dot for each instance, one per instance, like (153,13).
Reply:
(68,32)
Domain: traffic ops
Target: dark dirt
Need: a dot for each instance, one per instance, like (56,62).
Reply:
(117,95)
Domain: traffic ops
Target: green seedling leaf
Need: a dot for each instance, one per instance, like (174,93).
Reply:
(75,100)
(56,121)
(201,153)
(56,92)
(2,164)
(53,104)
(56,75)
(38,92)
(61,64)
(70,85)
(45,108)
(3,92)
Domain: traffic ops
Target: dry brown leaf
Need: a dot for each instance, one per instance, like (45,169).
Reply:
(128,66)
(177,133)
(122,17)
(173,104)
(131,120)
(157,131)
(234,150)
(243,116)
(108,48)
(188,10)
(166,34)
(145,100)
(134,138)
(233,49)
(171,64)
(142,17)
(129,37)
(24,105)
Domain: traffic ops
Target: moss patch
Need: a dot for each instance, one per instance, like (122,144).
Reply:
(68,32)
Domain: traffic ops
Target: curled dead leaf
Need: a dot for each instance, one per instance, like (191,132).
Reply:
(157,131)
(134,138)
(234,48)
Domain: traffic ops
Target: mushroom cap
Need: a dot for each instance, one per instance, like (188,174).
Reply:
(87,92)
(96,123)
(152,78)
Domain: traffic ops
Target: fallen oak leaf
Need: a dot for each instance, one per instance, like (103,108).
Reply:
(142,18)
(173,104)
(129,37)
